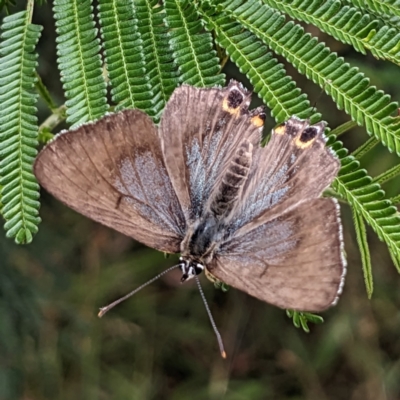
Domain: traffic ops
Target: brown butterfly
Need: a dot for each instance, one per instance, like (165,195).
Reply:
(200,184)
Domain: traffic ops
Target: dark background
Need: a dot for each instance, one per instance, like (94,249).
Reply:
(159,344)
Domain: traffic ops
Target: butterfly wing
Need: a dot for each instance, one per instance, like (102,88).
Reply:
(113,172)
(294,167)
(200,130)
(286,248)
(294,261)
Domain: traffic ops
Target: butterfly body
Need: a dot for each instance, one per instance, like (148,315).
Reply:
(228,192)
(200,184)
(204,237)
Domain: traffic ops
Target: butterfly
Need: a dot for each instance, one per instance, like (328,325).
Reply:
(200,184)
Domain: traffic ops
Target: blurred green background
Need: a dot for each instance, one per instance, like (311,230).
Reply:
(159,344)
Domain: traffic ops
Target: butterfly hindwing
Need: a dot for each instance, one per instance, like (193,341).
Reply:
(293,167)
(113,172)
(200,131)
(293,261)
(286,245)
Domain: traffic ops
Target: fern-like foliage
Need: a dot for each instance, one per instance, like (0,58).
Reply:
(348,87)
(388,175)
(193,49)
(79,61)
(346,24)
(387,19)
(7,5)
(386,7)
(124,55)
(268,78)
(361,233)
(368,199)
(142,39)
(365,148)
(302,319)
(160,67)
(18,126)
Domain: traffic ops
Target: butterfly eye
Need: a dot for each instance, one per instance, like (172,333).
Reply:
(198,269)
(190,270)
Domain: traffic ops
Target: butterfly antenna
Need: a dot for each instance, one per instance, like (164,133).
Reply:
(103,310)
(220,344)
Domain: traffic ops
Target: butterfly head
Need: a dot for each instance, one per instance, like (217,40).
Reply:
(189,269)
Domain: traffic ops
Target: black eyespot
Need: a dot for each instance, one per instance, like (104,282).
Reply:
(308,134)
(262,116)
(235,99)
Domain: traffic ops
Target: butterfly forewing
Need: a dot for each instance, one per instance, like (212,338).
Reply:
(113,172)
(294,261)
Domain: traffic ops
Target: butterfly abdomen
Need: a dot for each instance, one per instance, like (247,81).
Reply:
(232,182)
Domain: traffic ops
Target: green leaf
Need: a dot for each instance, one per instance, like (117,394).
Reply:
(361,234)
(193,50)
(348,87)
(367,199)
(160,67)
(301,319)
(18,126)
(388,175)
(125,57)
(79,61)
(365,148)
(221,286)
(379,7)
(346,24)
(268,77)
